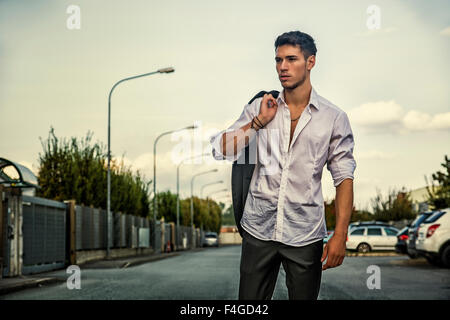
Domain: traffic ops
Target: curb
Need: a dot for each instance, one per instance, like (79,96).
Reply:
(126,262)
(373,254)
(149,259)
(30,283)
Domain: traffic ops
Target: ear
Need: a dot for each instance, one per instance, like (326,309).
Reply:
(310,63)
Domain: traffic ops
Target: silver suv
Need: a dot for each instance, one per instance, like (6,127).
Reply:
(368,238)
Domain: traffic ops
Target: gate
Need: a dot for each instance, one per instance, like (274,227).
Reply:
(44,235)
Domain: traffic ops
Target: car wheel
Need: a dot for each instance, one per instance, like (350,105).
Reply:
(445,256)
(435,261)
(363,247)
(412,256)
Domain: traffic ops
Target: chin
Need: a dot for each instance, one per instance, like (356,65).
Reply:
(291,85)
(288,86)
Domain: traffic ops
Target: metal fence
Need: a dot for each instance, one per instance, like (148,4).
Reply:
(40,235)
(185,238)
(44,234)
(128,231)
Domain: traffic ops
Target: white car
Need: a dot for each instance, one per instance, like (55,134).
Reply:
(211,239)
(365,239)
(433,240)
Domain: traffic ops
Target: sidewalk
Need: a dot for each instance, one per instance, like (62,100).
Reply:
(8,285)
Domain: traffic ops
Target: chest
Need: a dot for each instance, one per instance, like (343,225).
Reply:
(294,115)
(312,128)
(293,126)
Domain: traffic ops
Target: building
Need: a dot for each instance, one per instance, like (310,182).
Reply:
(229,235)
(419,199)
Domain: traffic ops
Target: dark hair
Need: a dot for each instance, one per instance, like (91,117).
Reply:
(304,40)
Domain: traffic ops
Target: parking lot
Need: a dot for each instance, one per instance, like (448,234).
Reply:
(400,278)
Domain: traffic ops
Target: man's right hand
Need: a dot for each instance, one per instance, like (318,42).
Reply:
(266,114)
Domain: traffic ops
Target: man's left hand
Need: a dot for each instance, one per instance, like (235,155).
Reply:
(335,250)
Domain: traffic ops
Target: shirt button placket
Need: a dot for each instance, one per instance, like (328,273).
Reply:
(280,211)
(285,164)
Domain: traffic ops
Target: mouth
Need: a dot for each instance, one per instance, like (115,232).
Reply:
(284,78)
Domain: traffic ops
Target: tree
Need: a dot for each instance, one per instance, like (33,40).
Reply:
(330,214)
(439,195)
(207,213)
(167,206)
(214,221)
(77,169)
(361,215)
(395,207)
(228,217)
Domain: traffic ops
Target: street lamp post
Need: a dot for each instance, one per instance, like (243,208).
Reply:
(208,184)
(214,192)
(192,198)
(108,196)
(225,199)
(155,204)
(178,189)
(217,191)
(201,192)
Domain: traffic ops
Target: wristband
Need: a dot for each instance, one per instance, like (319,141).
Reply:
(253,125)
(260,123)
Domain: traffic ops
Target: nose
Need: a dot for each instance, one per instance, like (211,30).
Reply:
(283,65)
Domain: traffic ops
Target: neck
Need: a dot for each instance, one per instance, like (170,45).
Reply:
(299,96)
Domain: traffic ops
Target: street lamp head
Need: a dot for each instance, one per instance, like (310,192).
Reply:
(166,70)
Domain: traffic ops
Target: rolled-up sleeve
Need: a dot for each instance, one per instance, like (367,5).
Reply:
(341,162)
(216,140)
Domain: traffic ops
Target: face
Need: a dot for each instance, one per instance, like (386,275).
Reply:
(291,66)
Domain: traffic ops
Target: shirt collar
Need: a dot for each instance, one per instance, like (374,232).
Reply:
(313,99)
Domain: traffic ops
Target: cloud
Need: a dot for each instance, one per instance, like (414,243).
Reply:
(420,121)
(445,32)
(377,113)
(389,116)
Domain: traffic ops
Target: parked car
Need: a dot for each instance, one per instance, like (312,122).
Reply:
(372,237)
(433,241)
(367,223)
(402,236)
(412,233)
(211,239)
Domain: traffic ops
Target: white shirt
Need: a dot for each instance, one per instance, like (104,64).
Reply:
(285,201)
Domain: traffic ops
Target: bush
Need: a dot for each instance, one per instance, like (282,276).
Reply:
(73,169)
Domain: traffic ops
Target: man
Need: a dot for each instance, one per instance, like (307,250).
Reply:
(283,219)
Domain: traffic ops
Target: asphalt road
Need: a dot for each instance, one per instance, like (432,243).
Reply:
(213,273)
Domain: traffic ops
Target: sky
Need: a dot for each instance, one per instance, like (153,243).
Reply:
(387,68)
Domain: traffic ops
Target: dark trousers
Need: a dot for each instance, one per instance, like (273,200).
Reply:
(260,264)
